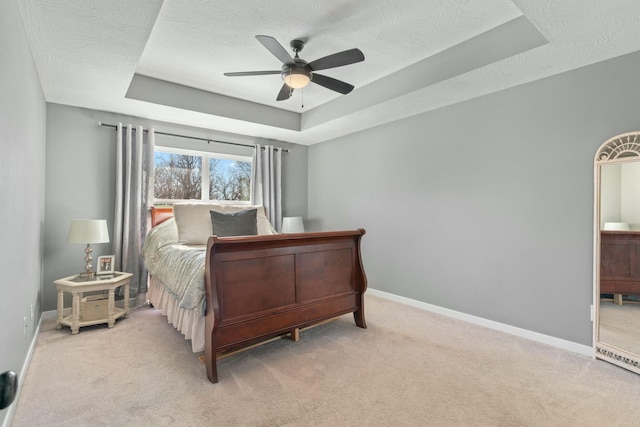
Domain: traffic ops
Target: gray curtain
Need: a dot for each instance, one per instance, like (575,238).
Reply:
(134,198)
(266,182)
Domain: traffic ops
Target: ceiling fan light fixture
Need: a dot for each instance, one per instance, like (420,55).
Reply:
(298,73)
(297,78)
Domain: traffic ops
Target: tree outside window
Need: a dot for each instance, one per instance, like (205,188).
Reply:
(201,176)
(229,180)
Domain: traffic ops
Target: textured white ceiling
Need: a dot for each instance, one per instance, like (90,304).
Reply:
(165,60)
(216,37)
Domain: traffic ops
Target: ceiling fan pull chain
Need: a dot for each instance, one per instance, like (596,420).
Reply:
(302,94)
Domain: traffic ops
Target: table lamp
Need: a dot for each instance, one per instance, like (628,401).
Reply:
(292,224)
(88,231)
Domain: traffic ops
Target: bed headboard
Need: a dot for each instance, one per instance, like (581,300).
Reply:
(160,214)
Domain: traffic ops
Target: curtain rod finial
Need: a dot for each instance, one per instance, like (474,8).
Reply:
(99,123)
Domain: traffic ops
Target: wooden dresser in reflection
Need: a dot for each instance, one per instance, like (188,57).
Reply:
(619,263)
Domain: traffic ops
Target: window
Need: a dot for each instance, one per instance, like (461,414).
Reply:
(182,175)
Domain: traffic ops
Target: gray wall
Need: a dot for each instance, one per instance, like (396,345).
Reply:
(80,179)
(485,207)
(22,161)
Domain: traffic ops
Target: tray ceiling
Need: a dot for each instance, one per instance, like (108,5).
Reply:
(164,60)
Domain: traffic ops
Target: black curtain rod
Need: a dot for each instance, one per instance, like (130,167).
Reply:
(190,137)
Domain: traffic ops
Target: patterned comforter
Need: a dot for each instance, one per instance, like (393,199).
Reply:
(179,267)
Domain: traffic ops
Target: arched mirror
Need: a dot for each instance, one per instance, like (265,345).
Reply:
(617,251)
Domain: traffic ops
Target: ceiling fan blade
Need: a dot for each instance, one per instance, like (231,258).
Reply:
(331,83)
(251,73)
(275,48)
(284,93)
(339,59)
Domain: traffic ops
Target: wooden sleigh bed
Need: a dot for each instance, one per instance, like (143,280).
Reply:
(259,287)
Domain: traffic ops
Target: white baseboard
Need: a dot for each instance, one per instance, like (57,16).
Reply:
(502,327)
(23,373)
(51,314)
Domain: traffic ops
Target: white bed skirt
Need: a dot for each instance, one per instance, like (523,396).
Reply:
(189,322)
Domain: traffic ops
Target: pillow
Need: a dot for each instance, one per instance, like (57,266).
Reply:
(193,223)
(193,220)
(241,223)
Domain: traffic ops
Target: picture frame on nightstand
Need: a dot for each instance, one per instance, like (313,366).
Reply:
(106,264)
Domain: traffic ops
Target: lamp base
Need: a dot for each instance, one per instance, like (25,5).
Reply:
(89,273)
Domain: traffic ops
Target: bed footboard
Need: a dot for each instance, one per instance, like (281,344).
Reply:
(258,287)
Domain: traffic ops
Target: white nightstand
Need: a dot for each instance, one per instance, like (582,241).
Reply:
(77,285)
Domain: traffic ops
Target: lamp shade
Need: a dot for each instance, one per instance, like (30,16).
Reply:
(88,231)
(292,224)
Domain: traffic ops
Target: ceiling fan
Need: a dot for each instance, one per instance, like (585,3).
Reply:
(298,73)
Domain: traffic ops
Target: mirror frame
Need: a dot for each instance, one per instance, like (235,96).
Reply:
(623,148)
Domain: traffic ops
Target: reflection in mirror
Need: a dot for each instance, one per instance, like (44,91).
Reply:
(617,251)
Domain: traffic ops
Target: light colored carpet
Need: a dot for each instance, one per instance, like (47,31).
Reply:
(409,368)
